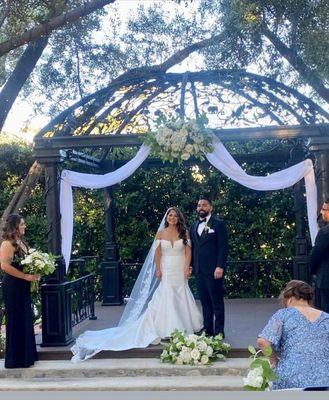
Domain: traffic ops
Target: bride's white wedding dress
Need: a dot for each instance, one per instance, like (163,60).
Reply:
(172,306)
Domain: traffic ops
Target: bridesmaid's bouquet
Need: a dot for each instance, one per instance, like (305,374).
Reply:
(193,349)
(38,263)
(260,375)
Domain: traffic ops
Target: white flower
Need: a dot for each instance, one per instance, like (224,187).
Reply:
(193,338)
(164,353)
(198,139)
(186,356)
(254,378)
(195,354)
(175,146)
(179,345)
(202,346)
(209,351)
(179,361)
(204,360)
(188,148)
(185,156)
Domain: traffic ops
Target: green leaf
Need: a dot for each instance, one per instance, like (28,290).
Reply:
(267,351)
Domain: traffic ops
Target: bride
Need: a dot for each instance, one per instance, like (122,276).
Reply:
(161,300)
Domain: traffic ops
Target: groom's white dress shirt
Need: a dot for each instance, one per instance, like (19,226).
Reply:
(202,225)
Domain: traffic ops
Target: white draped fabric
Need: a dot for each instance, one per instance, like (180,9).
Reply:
(220,158)
(89,181)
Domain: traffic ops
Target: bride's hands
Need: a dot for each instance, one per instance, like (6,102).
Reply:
(187,272)
(159,274)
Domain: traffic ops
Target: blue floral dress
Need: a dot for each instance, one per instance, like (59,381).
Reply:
(303,348)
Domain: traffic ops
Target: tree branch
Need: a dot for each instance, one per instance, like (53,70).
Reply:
(305,72)
(19,76)
(52,24)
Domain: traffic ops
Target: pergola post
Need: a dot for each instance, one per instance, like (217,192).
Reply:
(319,146)
(55,300)
(111,269)
(300,259)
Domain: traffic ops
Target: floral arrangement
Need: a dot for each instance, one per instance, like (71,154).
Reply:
(193,350)
(38,263)
(261,375)
(176,140)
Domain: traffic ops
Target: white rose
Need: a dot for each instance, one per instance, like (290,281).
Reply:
(179,345)
(202,346)
(195,354)
(186,356)
(188,148)
(204,360)
(175,146)
(179,361)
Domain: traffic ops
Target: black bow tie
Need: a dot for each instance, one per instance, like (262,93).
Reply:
(202,220)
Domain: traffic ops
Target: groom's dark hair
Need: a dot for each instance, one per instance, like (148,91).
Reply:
(207,198)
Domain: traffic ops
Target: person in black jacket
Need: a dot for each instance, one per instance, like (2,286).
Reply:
(209,239)
(319,263)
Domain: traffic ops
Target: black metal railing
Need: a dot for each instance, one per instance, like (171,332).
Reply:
(81,267)
(250,278)
(82,299)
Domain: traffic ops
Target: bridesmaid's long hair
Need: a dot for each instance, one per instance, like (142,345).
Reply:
(10,231)
(181,227)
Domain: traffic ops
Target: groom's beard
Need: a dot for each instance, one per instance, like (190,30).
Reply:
(203,214)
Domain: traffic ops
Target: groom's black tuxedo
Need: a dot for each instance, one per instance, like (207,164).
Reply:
(209,251)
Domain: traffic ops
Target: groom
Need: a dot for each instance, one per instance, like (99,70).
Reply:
(209,254)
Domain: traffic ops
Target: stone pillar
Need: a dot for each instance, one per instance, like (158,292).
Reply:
(111,269)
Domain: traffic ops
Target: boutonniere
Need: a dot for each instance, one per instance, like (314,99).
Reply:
(207,229)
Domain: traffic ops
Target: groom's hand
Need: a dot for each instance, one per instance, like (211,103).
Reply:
(218,273)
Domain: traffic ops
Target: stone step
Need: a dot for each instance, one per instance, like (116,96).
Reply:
(60,353)
(140,383)
(101,368)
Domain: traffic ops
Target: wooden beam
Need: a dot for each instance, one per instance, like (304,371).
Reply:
(273,158)
(43,147)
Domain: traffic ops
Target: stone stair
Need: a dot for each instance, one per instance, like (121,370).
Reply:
(135,374)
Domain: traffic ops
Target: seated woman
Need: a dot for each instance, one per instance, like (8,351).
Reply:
(299,337)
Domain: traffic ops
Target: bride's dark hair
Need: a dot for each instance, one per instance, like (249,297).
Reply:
(181,227)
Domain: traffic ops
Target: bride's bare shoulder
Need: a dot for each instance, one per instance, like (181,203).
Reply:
(159,234)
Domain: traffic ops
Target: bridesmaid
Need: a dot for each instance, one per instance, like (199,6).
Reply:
(20,341)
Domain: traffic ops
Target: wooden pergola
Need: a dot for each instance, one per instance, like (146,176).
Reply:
(118,115)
